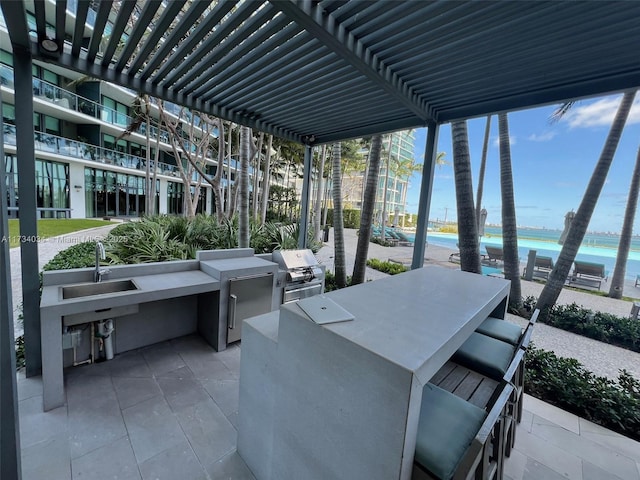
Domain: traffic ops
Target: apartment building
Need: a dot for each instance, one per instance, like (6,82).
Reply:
(85,168)
(397,155)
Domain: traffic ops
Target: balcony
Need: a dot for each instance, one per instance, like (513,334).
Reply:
(45,142)
(63,98)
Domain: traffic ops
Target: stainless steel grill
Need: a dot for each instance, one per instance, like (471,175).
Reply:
(304,275)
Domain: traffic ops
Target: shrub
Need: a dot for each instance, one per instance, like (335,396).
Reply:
(450,228)
(620,331)
(391,268)
(379,241)
(350,216)
(81,255)
(564,382)
(330,281)
(162,238)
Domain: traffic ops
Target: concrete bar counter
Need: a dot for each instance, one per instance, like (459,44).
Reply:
(341,399)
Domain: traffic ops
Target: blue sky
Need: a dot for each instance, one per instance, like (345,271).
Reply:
(552,164)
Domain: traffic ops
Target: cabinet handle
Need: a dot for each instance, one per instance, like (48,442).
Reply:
(231,317)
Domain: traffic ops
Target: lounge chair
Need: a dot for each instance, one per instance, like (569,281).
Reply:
(542,267)
(404,240)
(494,254)
(588,274)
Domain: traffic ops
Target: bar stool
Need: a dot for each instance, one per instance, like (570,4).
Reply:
(495,359)
(455,437)
(504,330)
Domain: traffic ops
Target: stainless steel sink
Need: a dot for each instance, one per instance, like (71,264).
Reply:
(100,288)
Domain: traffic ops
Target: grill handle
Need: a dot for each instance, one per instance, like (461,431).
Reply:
(231,316)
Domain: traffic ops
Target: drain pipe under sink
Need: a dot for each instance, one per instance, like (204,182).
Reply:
(105,329)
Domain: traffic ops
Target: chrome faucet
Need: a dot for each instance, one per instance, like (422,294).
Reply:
(100,255)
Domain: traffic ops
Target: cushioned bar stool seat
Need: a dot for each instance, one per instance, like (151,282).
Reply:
(486,355)
(446,428)
(505,330)
(501,330)
(458,440)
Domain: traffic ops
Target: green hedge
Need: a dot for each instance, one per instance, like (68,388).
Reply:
(391,268)
(620,331)
(564,382)
(351,217)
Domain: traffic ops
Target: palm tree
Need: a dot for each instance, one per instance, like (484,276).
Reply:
(580,222)
(483,164)
(402,170)
(338,221)
(256,177)
(317,210)
(243,187)
(617,280)
(266,181)
(509,228)
(467,225)
(366,216)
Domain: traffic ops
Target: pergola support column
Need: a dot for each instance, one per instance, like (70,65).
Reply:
(304,201)
(28,208)
(10,431)
(426,189)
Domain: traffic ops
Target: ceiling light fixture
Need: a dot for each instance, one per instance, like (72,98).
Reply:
(49,45)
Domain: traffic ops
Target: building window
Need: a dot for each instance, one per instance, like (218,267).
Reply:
(52,186)
(175,198)
(110,194)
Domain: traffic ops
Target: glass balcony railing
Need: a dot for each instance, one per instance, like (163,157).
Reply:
(45,142)
(66,99)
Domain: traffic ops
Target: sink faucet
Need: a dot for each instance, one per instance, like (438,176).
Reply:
(100,255)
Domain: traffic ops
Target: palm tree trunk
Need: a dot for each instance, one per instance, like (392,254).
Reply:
(243,187)
(384,194)
(467,225)
(509,227)
(580,222)
(256,178)
(617,279)
(319,190)
(483,165)
(368,206)
(228,189)
(338,222)
(266,183)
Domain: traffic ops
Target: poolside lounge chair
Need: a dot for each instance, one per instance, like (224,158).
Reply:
(494,254)
(542,267)
(588,274)
(404,240)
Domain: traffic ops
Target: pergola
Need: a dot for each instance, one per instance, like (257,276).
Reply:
(310,71)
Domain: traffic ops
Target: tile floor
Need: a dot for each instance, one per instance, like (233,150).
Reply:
(169,411)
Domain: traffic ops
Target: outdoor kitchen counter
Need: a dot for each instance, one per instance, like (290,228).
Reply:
(344,397)
(150,288)
(157,284)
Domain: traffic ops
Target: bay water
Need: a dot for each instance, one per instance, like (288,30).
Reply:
(596,247)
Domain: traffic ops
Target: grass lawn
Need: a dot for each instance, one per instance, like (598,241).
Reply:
(52,227)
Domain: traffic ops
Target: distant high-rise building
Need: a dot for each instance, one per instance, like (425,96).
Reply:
(398,154)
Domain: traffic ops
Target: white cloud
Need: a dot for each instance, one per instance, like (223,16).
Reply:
(543,137)
(512,141)
(599,113)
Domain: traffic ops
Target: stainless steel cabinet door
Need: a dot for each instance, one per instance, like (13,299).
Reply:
(248,297)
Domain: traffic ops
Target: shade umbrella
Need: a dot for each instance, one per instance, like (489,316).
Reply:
(481,221)
(568,218)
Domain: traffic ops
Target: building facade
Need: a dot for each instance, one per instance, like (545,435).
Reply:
(85,167)
(397,158)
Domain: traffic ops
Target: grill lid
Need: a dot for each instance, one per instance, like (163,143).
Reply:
(293,259)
